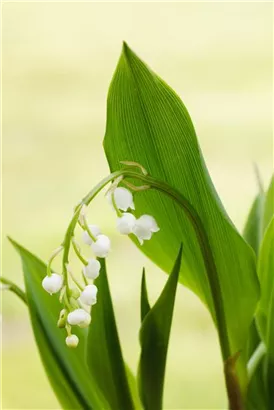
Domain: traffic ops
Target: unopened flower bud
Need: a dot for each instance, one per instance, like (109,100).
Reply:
(53,283)
(62,318)
(75,293)
(126,223)
(144,227)
(92,270)
(123,198)
(95,230)
(72,341)
(79,317)
(101,247)
(89,295)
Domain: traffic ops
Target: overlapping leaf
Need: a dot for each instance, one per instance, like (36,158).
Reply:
(148,123)
(66,368)
(154,339)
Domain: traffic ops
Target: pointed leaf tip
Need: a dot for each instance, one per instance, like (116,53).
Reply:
(145,306)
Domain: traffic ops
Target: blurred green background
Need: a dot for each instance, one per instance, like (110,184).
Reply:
(58,59)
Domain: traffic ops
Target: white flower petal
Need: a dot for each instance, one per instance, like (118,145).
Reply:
(101,247)
(148,222)
(53,283)
(79,317)
(95,230)
(89,295)
(123,199)
(126,223)
(144,227)
(142,232)
(92,270)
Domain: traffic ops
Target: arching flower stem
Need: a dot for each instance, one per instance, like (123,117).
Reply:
(78,253)
(200,232)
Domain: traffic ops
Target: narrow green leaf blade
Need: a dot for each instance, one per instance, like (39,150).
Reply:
(270,349)
(147,123)
(154,339)
(12,287)
(104,354)
(66,368)
(269,204)
(253,229)
(266,305)
(266,276)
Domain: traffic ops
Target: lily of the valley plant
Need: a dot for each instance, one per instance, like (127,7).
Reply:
(163,198)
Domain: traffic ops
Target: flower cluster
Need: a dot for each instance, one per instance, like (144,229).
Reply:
(127,223)
(78,301)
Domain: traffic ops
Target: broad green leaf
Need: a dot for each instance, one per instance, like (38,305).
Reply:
(266,276)
(154,338)
(147,123)
(104,354)
(269,204)
(66,368)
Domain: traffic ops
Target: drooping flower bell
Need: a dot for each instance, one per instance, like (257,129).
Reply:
(144,227)
(79,317)
(92,269)
(101,247)
(52,283)
(89,295)
(126,223)
(123,198)
(72,341)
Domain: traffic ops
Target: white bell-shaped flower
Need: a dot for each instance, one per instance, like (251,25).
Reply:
(79,317)
(101,247)
(123,198)
(53,283)
(89,295)
(95,230)
(72,341)
(144,227)
(92,270)
(126,223)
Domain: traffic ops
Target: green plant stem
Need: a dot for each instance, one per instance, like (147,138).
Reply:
(15,289)
(255,359)
(78,253)
(205,250)
(70,230)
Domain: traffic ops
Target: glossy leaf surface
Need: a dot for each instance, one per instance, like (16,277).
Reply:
(148,123)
